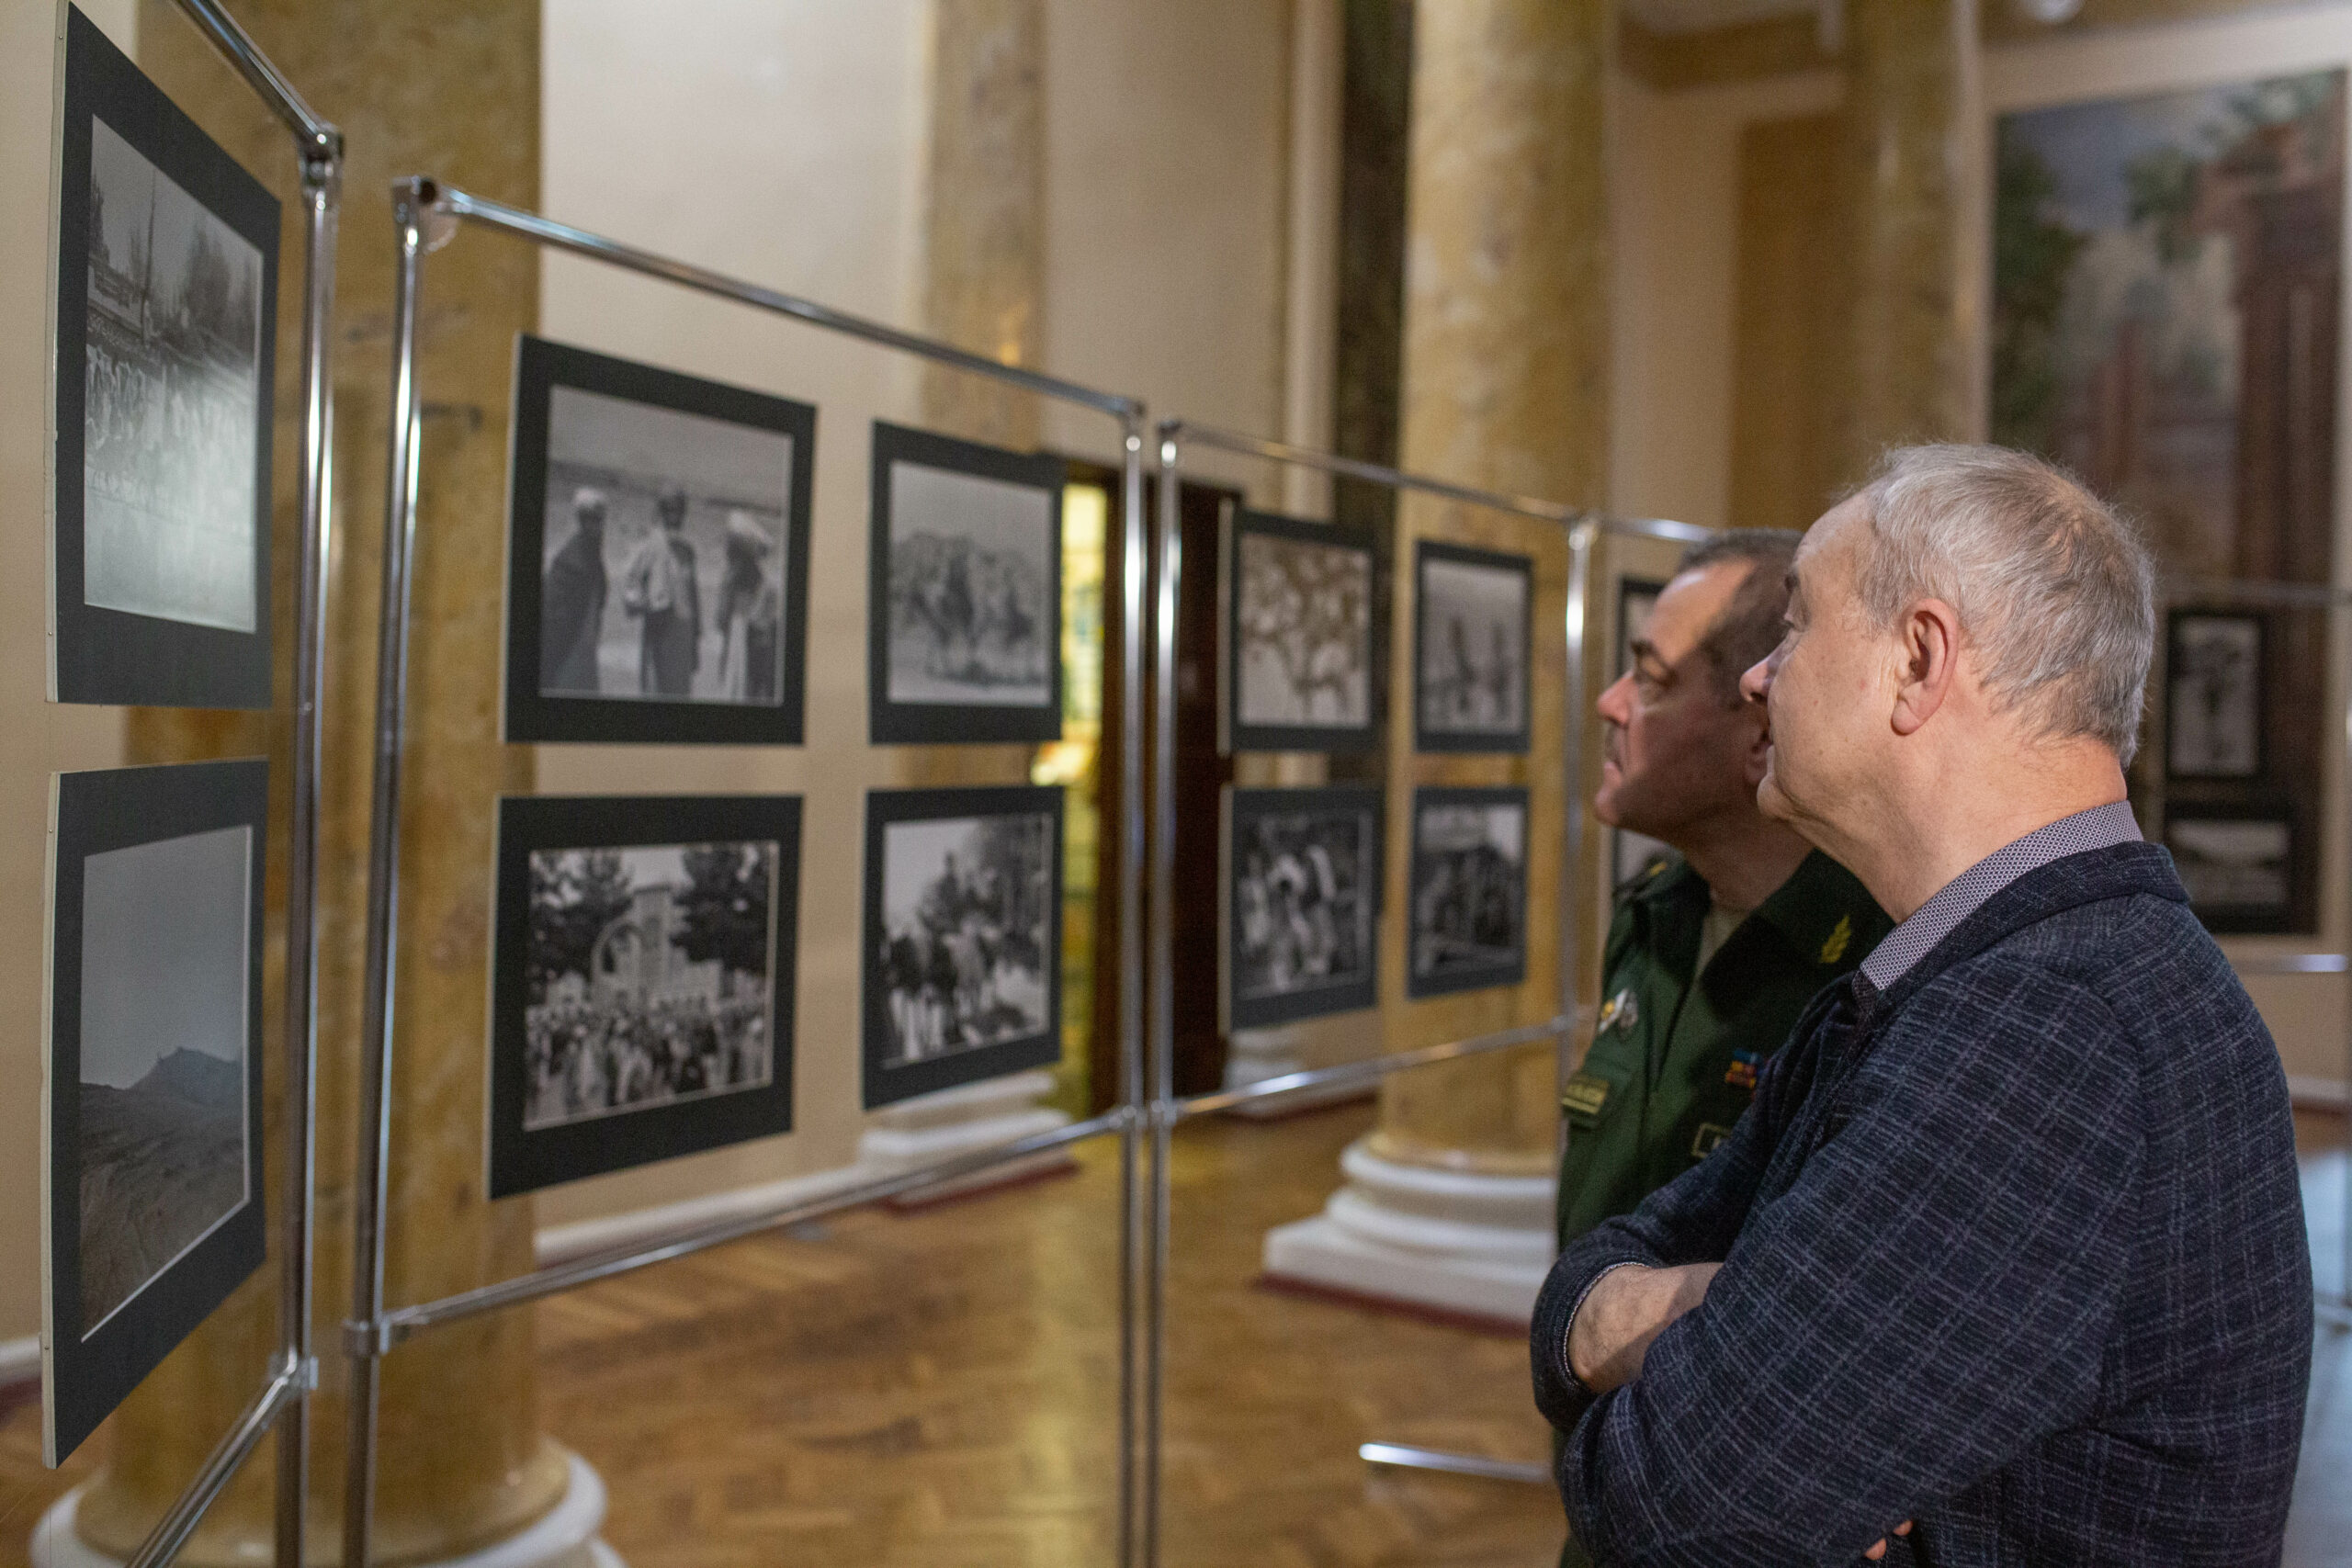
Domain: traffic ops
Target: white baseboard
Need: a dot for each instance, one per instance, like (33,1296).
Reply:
(2314,1093)
(557,1244)
(19,1360)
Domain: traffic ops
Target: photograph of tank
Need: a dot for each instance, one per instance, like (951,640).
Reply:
(963,945)
(1298,635)
(1471,648)
(1303,870)
(167,280)
(965,612)
(660,542)
(1469,928)
(643,989)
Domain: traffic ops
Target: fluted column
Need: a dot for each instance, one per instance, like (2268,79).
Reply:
(448,87)
(1505,364)
(1909,158)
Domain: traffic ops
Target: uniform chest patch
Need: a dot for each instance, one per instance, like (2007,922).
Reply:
(1620,1012)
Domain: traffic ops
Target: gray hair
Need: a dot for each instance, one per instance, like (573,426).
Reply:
(2055,588)
(1749,626)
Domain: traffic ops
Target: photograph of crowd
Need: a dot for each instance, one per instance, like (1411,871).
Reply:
(2215,717)
(1469,890)
(1303,870)
(649,974)
(963,944)
(175,395)
(1299,637)
(968,565)
(1471,648)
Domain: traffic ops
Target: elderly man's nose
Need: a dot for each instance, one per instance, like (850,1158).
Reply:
(1754,681)
(1615,700)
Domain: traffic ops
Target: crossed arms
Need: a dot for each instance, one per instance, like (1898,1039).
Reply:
(1923,1298)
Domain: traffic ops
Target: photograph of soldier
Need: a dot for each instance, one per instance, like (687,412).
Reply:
(1299,655)
(1305,868)
(1471,648)
(966,939)
(972,620)
(175,392)
(648,975)
(1469,890)
(2214,716)
(662,575)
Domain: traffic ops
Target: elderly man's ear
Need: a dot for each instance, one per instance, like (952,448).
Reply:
(1929,652)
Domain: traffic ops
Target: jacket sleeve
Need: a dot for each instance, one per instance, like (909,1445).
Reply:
(1930,1298)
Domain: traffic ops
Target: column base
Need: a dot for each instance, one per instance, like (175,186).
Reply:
(1256,1055)
(564,1537)
(934,1127)
(1437,1240)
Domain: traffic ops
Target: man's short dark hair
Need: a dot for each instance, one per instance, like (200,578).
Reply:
(1750,626)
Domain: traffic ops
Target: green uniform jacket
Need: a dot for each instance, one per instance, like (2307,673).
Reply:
(1673,1064)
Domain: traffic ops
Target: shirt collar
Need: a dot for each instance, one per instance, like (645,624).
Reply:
(2101,828)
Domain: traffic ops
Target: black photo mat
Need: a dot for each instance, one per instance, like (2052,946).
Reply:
(1300,916)
(1469,890)
(1497,695)
(139,1117)
(165,348)
(1298,637)
(2238,864)
(2215,713)
(963,604)
(963,931)
(581,661)
(632,1036)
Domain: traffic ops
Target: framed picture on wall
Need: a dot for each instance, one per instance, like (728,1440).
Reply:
(2213,691)
(1301,918)
(658,551)
(153,1112)
(1472,651)
(1469,927)
(963,937)
(1632,855)
(641,980)
(1296,648)
(965,604)
(2235,864)
(165,339)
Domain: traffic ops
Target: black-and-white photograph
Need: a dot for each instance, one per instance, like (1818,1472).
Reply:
(2237,866)
(1469,890)
(643,1005)
(154,1079)
(1303,870)
(1472,651)
(1298,635)
(659,543)
(1633,856)
(2214,712)
(649,967)
(963,922)
(166,314)
(967,609)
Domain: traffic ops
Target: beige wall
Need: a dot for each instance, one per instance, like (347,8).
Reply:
(785,142)
(42,737)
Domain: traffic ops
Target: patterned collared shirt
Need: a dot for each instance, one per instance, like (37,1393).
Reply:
(2097,828)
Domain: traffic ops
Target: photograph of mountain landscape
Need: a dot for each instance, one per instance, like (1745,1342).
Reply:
(164,1144)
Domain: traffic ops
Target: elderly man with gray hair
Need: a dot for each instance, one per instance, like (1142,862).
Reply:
(2007,1262)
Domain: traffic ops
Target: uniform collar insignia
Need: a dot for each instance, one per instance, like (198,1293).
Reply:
(1841,936)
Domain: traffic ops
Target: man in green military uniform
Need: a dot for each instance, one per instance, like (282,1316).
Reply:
(1715,950)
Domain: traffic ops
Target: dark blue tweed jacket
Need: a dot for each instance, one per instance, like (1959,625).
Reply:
(2015,1250)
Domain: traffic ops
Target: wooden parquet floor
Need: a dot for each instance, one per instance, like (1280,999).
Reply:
(940,1388)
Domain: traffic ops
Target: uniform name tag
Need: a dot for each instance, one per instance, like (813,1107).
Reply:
(1585,1094)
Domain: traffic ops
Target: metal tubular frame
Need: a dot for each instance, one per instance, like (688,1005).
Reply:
(283,1403)
(426,215)
(1583,529)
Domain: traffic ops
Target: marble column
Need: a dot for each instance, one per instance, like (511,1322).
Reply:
(447,88)
(984,264)
(1505,385)
(1909,159)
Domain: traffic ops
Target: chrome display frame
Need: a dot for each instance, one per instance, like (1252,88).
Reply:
(283,1403)
(426,215)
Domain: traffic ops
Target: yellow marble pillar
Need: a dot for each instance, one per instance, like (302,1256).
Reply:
(448,87)
(1505,387)
(1905,160)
